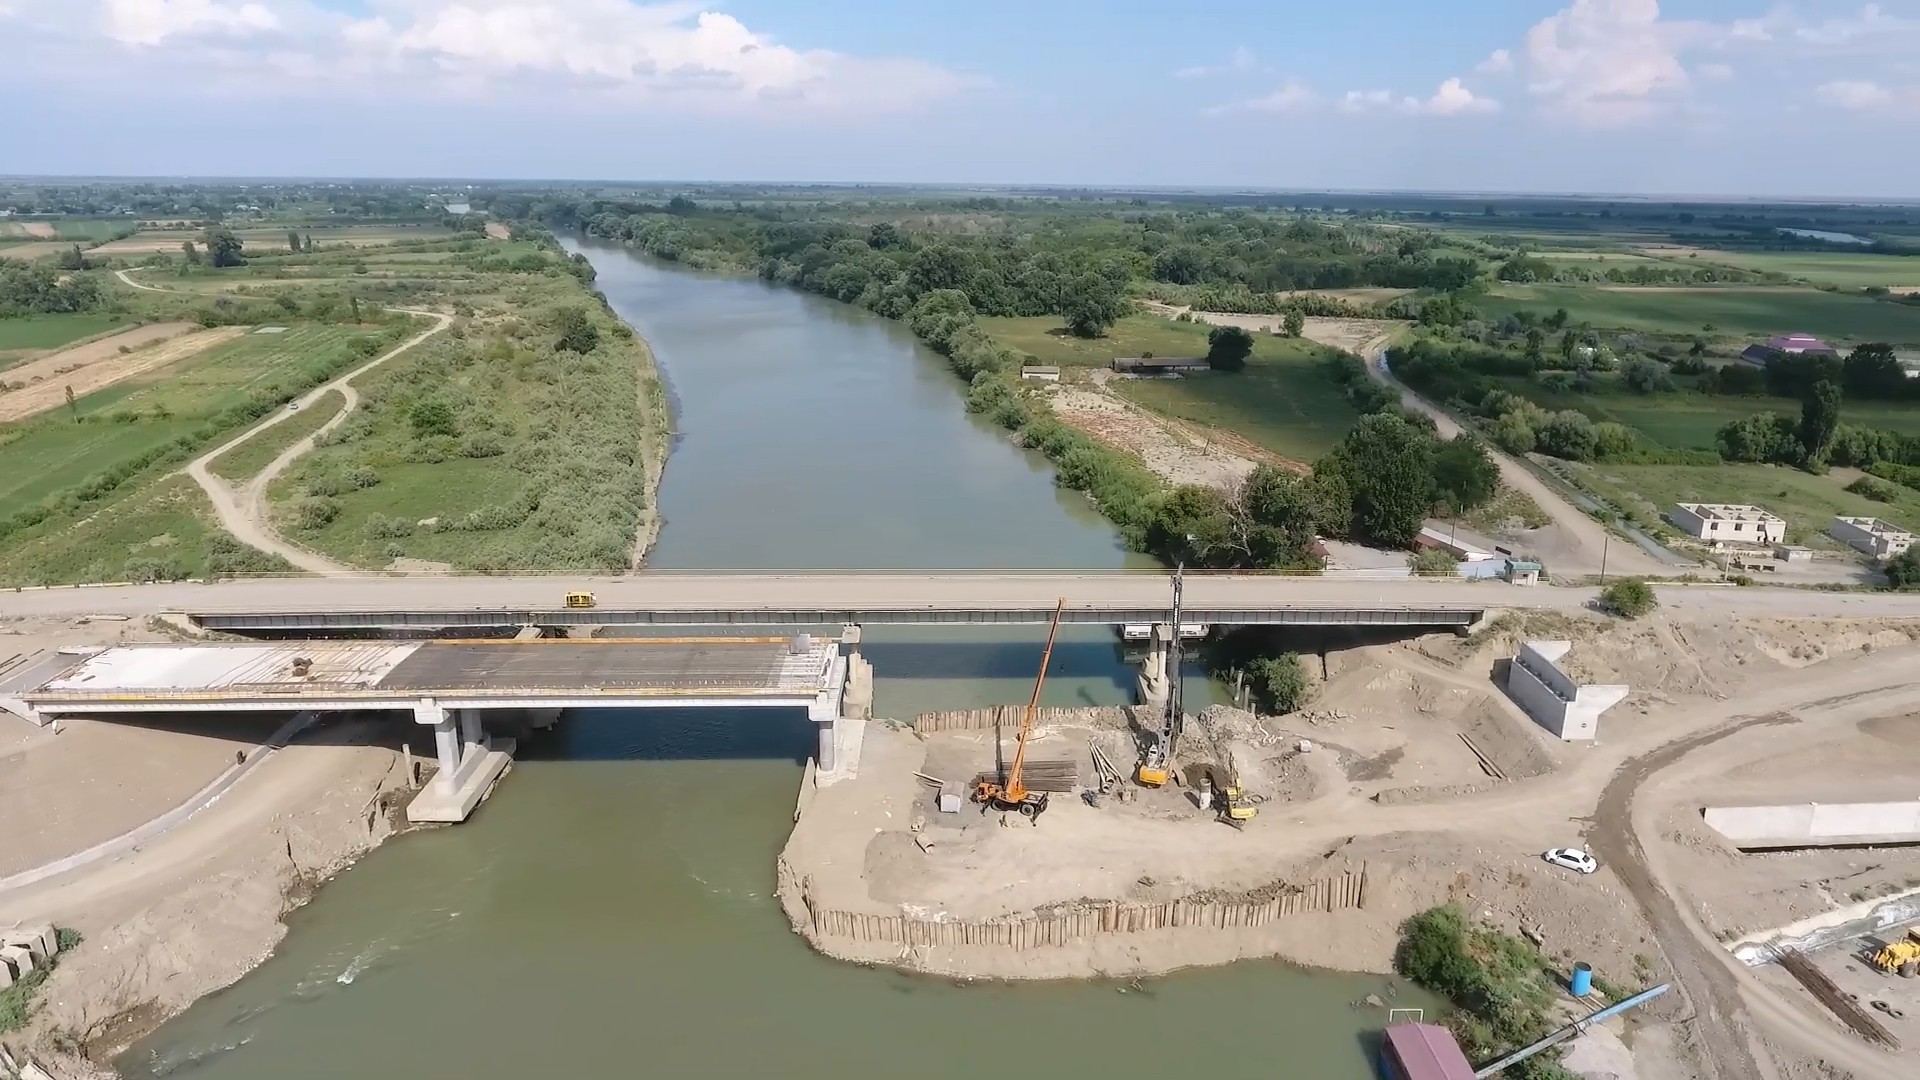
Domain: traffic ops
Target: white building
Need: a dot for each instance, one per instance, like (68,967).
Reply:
(1549,695)
(1871,536)
(1728,523)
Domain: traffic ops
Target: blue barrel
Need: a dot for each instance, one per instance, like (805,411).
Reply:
(1582,982)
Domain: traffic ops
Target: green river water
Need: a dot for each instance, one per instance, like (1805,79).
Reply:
(609,912)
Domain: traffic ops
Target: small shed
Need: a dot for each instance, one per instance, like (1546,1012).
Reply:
(1160,365)
(1423,1052)
(1523,572)
(1040,372)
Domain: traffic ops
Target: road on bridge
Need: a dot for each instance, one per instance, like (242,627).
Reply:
(902,591)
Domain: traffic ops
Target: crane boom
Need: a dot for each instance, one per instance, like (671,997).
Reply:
(1012,793)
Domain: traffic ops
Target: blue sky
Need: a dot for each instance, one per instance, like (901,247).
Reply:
(1706,97)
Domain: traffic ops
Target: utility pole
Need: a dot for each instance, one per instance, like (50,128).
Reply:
(1606,542)
(1174,665)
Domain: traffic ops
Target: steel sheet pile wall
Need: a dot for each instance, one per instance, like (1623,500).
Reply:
(1342,893)
(1008,716)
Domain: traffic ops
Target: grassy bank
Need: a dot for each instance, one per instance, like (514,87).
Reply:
(36,332)
(1806,501)
(1503,988)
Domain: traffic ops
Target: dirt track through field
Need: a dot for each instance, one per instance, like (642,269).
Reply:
(100,364)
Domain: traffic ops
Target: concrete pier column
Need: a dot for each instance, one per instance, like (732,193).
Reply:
(472,735)
(826,722)
(446,737)
(1156,674)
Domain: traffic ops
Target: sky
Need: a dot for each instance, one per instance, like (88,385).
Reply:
(1708,97)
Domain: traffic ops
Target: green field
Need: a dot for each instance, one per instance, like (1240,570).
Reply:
(165,523)
(243,461)
(1808,502)
(1732,311)
(52,331)
(1842,268)
(1687,420)
(51,453)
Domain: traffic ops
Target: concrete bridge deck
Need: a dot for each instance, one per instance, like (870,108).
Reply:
(450,686)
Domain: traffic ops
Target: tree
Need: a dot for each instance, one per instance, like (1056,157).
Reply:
(73,407)
(1646,376)
(1514,434)
(1903,570)
(1568,434)
(223,248)
(1093,302)
(1293,323)
(308,246)
(1819,421)
(1279,682)
(1874,371)
(1569,341)
(884,236)
(1536,346)
(1194,525)
(1629,598)
(293,240)
(1388,467)
(72,259)
(190,253)
(578,334)
(1228,348)
(1464,475)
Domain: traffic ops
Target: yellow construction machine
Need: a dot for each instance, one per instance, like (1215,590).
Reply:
(579,599)
(1157,763)
(1898,954)
(1012,793)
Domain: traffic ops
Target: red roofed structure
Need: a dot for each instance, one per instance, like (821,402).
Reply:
(1423,1052)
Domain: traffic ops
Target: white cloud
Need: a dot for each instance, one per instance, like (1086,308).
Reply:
(1716,72)
(1854,94)
(1292,96)
(1365,100)
(1605,62)
(1498,62)
(1452,98)
(617,52)
(1871,23)
(150,22)
(1239,61)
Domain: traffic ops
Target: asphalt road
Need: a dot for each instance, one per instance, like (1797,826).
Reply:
(878,590)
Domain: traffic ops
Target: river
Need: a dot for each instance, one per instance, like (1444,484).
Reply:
(609,911)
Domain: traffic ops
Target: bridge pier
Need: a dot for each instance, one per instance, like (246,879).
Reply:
(1156,674)
(470,764)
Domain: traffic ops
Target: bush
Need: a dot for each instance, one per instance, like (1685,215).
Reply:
(1903,570)
(1876,489)
(1629,598)
(1433,562)
(317,513)
(1279,683)
(1228,348)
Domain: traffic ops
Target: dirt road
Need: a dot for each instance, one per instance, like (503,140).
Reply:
(244,512)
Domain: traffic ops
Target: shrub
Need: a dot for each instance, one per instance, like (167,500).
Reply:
(1279,682)
(1875,489)
(482,444)
(1903,570)
(1433,562)
(317,513)
(1629,598)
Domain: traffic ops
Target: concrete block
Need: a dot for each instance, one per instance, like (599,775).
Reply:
(6,976)
(41,940)
(18,958)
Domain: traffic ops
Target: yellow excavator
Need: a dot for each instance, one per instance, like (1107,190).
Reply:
(1012,794)
(1898,954)
(1157,763)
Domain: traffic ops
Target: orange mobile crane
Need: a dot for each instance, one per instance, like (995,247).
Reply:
(1013,793)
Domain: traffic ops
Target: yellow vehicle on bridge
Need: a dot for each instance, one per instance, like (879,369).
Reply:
(580,599)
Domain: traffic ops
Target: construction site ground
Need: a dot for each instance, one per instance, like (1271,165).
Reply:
(1720,710)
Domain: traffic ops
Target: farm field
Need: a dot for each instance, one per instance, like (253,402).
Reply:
(33,332)
(247,459)
(134,422)
(1808,502)
(1687,420)
(1841,268)
(273,238)
(1732,311)
(163,530)
(86,369)
(32,249)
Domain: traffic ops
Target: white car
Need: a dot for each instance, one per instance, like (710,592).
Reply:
(293,406)
(1572,858)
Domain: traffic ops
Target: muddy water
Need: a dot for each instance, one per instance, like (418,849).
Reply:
(608,912)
